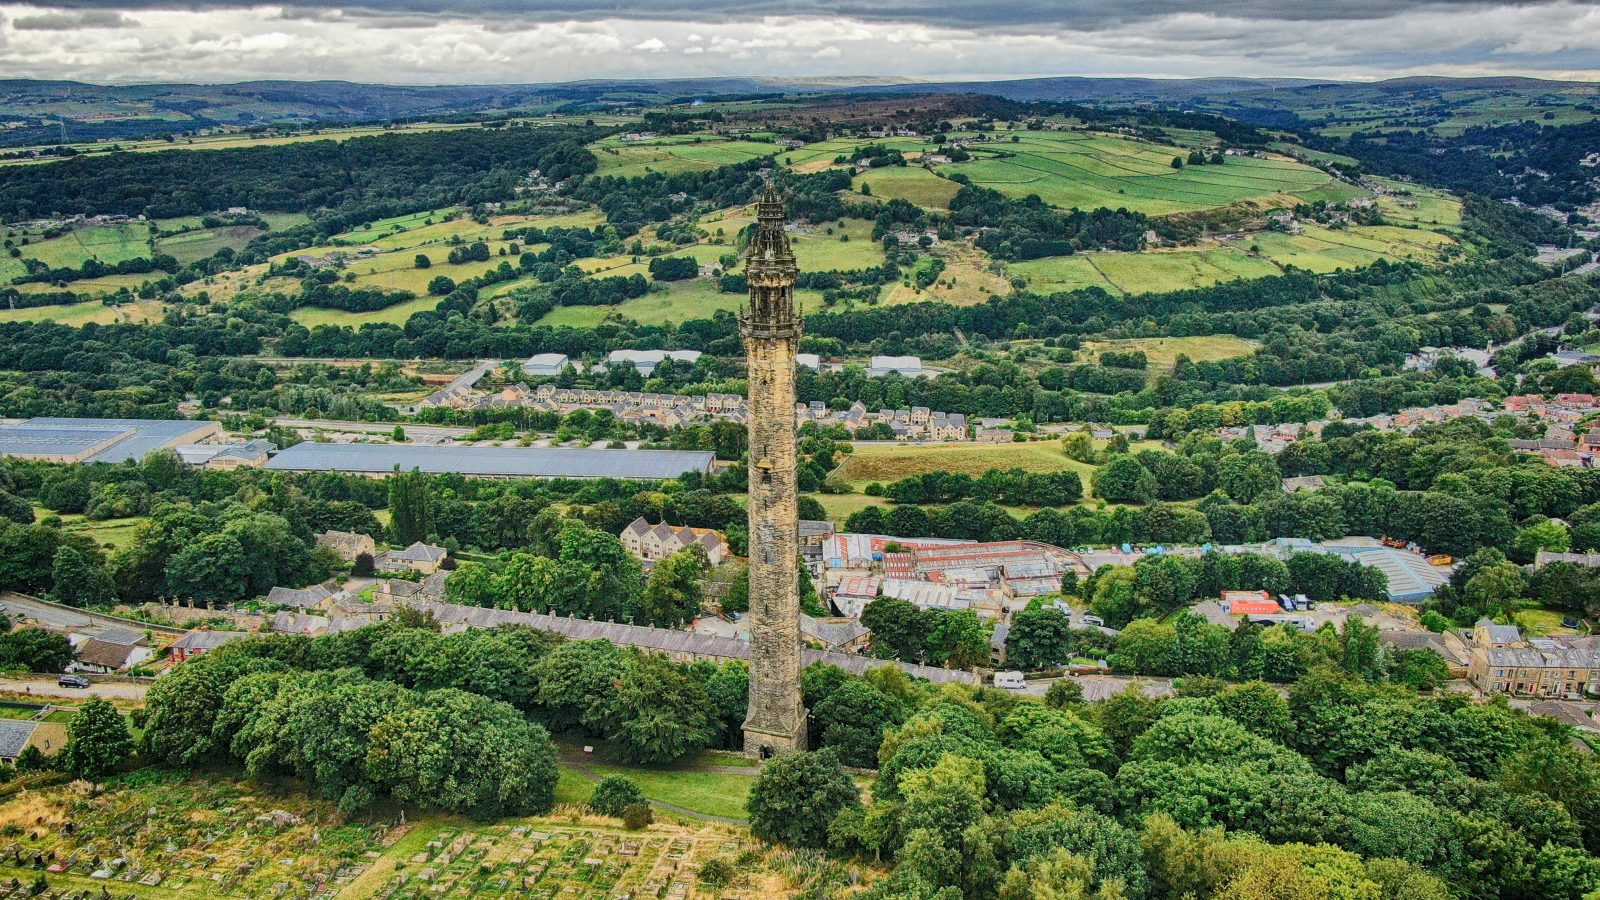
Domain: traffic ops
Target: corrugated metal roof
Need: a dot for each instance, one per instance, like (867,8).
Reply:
(508,462)
(144,435)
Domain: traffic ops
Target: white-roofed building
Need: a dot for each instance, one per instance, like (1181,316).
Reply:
(545,365)
(908,366)
(810,361)
(646,360)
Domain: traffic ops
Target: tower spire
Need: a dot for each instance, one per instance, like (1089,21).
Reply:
(770,266)
(776,722)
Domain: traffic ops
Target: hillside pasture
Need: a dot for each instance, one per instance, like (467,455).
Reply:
(1087,171)
(913,184)
(191,246)
(673,154)
(696,298)
(819,251)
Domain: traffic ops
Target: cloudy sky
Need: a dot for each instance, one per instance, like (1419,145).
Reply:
(514,41)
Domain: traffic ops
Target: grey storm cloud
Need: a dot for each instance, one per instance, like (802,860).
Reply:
(73,20)
(970,14)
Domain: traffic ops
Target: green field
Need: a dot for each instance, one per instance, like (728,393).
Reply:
(673,154)
(890,462)
(818,250)
(682,301)
(1162,353)
(1087,171)
(196,245)
(910,183)
(74,314)
(1256,255)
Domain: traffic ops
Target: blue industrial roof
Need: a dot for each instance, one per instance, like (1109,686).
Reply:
(510,462)
(68,436)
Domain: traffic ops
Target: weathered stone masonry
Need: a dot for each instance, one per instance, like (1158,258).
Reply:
(776,722)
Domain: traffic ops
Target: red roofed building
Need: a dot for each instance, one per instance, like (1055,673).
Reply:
(1250,603)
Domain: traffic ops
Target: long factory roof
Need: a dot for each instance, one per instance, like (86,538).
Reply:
(506,462)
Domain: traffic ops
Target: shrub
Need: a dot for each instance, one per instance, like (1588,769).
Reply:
(614,795)
(637,816)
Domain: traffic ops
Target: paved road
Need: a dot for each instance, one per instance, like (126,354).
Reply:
(45,686)
(20,606)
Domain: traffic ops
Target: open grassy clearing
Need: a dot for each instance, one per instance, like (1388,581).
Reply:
(911,183)
(1154,272)
(969,278)
(73,314)
(840,506)
(890,462)
(1164,352)
(714,793)
(196,245)
(696,298)
(311,317)
(112,534)
(673,154)
(216,836)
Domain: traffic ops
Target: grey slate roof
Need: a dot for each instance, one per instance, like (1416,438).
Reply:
(300,598)
(509,462)
(207,640)
(14,735)
(666,640)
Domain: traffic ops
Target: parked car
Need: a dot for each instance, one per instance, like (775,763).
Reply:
(1570,622)
(73,681)
(1094,620)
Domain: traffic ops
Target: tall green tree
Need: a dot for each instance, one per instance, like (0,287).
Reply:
(797,796)
(97,741)
(410,507)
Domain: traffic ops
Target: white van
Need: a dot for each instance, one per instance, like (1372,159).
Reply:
(1011,681)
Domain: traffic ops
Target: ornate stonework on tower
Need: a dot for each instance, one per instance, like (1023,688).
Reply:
(771,328)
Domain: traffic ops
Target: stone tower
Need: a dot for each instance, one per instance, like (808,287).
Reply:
(771,328)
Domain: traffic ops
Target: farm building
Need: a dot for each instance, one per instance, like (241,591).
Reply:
(72,440)
(491,462)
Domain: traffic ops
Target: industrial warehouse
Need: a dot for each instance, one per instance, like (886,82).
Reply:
(491,462)
(72,440)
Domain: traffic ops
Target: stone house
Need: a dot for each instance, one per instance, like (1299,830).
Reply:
(419,557)
(348,544)
(657,542)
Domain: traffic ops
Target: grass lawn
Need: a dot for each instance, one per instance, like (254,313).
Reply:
(713,793)
(885,463)
(840,506)
(1541,622)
